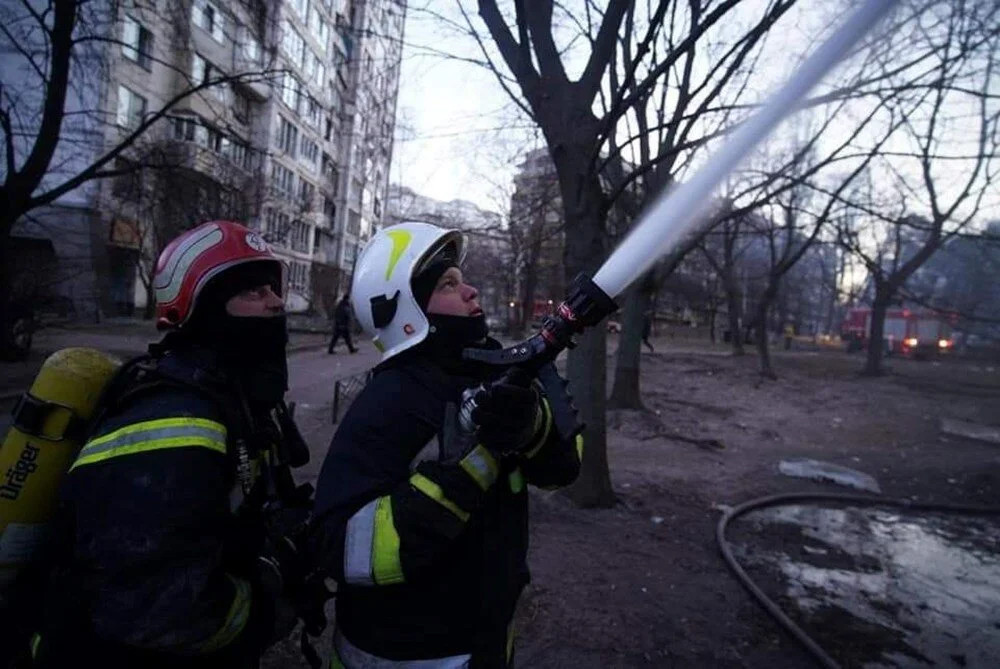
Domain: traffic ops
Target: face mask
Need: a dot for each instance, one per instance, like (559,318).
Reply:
(253,350)
(457,331)
(449,335)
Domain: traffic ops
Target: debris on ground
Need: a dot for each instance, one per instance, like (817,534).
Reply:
(979,432)
(818,470)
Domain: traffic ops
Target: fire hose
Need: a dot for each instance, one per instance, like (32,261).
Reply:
(769,604)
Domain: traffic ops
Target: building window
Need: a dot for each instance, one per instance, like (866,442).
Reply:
(250,47)
(307,193)
(131,108)
(184,128)
(237,152)
(319,28)
(291,92)
(302,7)
(241,106)
(208,17)
(331,174)
(288,136)
(293,45)
(276,227)
(312,112)
(350,253)
(309,151)
(357,191)
(329,208)
(298,275)
(353,222)
(203,72)
(319,77)
(138,43)
(300,237)
(282,180)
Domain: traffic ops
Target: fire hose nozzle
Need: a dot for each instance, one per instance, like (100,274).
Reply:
(585,306)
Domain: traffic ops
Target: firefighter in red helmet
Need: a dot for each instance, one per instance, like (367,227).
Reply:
(165,556)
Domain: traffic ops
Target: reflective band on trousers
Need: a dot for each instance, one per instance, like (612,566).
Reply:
(349,656)
(371,546)
(152,435)
(481,466)
(236,618)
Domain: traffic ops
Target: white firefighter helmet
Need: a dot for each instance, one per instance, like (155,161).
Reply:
(381,295)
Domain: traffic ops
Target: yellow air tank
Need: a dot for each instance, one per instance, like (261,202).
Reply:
(40,446)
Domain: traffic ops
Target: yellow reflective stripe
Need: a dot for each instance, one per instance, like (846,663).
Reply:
(236,619)
(153,435)
(481,466)
(335,661)
(36,640)
(547,411)
(516,481)
(155,445)
(159,423)
(400,240)
(434,491)
(510,641)
(386,567)
(579,447)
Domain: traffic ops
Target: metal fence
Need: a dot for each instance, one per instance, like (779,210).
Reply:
(345,390)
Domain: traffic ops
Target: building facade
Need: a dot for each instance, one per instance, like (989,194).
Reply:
(279,113)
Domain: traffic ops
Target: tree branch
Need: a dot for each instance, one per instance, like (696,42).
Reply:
(20,185)
(590,80)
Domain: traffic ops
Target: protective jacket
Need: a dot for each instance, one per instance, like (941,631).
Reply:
(425,532)
(158,535)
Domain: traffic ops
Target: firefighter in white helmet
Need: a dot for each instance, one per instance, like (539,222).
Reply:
(425,523)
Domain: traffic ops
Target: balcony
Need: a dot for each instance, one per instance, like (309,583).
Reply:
(258,87)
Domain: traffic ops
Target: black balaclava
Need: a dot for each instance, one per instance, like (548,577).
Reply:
(249,348)
(448,334)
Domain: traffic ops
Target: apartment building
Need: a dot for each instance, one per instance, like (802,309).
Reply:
(279,113)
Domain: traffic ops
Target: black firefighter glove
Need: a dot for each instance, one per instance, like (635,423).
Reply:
(297,591)
(507,414)
(280,575)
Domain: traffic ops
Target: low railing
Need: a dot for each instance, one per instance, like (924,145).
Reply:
(345,390)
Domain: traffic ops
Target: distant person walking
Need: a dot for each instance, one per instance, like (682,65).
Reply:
(647,330)
(342,325)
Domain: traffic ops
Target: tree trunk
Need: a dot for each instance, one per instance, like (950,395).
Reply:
(625,393)
(583,207)
(733,301)
(713,311)
(587,366)
(876,346)
(150,309)
(530,285)
(761,333)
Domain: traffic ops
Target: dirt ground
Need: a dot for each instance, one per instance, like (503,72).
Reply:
(643,584)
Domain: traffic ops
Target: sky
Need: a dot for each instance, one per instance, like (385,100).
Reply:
(458,135)
(451,140)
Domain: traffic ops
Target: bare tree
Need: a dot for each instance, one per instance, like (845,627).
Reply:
(722,249)
(942,172)
(577,137)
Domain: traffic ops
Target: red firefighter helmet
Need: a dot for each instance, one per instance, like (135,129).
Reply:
(191,260)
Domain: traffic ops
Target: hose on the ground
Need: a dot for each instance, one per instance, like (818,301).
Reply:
(798,497)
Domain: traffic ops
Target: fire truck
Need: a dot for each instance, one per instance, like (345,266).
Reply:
(907,332)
